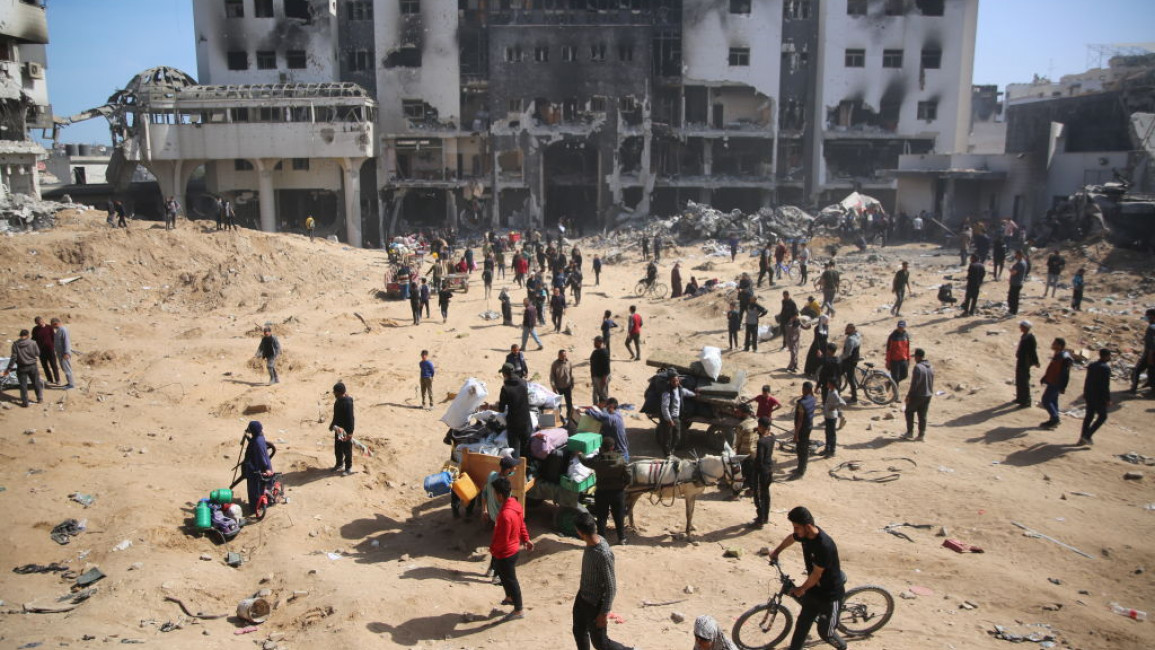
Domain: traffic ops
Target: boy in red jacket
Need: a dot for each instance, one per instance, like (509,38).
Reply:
(509,534)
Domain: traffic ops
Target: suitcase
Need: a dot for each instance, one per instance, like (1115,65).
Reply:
(586,443)
(543,442)
(438,484)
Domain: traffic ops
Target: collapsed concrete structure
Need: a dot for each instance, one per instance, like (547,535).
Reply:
(23,94)
(522,112)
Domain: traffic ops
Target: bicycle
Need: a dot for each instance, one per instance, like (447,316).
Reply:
(864,611)
(845,287)
(876,384)
(786,270)
(651,290)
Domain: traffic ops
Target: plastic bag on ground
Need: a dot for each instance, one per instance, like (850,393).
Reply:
(471,396)
(711,359)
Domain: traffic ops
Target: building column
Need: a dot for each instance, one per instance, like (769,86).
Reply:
(351,168)
(948,199)
(266,196)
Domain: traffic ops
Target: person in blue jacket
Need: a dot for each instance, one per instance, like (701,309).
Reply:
(257,464)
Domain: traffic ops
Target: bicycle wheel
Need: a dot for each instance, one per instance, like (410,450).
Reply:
(762,627)
(640,289)
(660,290)
(865,610)
(880,388)
(791,271)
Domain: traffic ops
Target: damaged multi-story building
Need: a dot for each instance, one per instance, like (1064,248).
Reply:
(23,93)
(519,113)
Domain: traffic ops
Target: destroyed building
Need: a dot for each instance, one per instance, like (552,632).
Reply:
(519,113)
(23,94)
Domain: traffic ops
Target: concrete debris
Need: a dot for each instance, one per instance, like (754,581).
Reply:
(699,221)
(22,213)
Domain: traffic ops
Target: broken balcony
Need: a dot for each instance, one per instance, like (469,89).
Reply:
(729,110)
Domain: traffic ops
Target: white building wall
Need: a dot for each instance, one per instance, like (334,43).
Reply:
(1069,172)
(709,30)
(436,81)
(323,174)
(217,35)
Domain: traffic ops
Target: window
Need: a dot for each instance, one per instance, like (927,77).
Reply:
(242,165)
(626,53)
(266,60)
(892,58)
(855,7)
(240,114)
(234,8)
(361,10)
(300,164)
(238,60)
(263,8)
(298,9)
(855,58)
(513,54)
(410,7)
(796,9)
(739,56)
(515,106)
(360,60)
(414,109)
(739,6)
(541,54)
(930,7)
(931,59)
(895,7)
(295,59)
(928,111)
(598,104)
(568,53)
(598,53)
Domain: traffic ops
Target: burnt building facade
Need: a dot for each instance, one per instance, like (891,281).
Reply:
(515,113)
(23,94)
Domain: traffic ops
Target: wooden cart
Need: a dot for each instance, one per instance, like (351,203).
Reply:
(456,282)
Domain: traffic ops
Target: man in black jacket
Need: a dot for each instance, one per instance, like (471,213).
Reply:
(975,274)
(600,371)
(1026,356)
(830,369)
(514,402)
(342,428)
(1097,395)
(754,311)
(613,479)
(762,470)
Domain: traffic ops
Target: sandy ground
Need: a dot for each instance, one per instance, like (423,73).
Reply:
(165,326)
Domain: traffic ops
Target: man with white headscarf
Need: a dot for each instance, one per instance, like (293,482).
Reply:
(708,635)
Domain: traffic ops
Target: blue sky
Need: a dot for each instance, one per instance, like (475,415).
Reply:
(98,45)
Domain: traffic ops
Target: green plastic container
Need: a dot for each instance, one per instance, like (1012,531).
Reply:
(204,515)
(568,483)
(221,496)
(586,443)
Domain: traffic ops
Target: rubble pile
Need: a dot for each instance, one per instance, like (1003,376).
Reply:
(700,221)
(20,213)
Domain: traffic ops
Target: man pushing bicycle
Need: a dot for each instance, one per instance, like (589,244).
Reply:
(821,594)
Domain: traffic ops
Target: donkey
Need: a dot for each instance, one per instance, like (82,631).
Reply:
(674,477)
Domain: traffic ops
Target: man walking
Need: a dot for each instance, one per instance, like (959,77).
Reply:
(789,310)
(561,380)
(764,265)
(634,333)
(426,379)
(754,311)
(1018,275)
(509,534)
(23,359)
(670,426)
(1026,357)
(899,286)
(596,592)
(919,395)
(898,353)
(848,360)
(1055,378)
(342,427)
(557,309)
(975,274)
(763,473)
(45,340)
(803,425)
(733,324)
(830,279)
(613,479)
(1097,395)
(62,343)
(821,594)
(170,209)
(269,349)
(1147,361)
(1055,266)
(600,371)
(529,325)
(792,339)
(415,301)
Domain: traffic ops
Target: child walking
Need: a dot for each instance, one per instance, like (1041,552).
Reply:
(427,373)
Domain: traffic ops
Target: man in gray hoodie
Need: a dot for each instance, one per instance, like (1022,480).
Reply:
(25,355)
(63,341)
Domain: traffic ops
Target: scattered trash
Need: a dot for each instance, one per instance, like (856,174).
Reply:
(961,547)
(1003,634)
(89,577)
(1133,476)
(40,568)
(254,610)
(1033,533)
(892,472)
(333,556)
(200,615)
(733,552)
(1133,614)
(893,529)
(83,499)
(677,617)
(1137,459)
(123,545)
(234,559)
(67,529)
